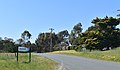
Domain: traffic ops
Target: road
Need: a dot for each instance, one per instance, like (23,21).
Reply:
(81,63)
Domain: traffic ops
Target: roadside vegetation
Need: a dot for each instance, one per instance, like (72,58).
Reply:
(8,62)
(111,55)
(103,36)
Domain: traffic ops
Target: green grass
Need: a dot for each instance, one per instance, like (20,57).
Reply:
(8,62)
(111,55)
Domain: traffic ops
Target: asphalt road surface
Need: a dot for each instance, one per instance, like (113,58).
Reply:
(81,63)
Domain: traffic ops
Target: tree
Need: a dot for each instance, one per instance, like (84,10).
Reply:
(63,38)
(75,33)
(0,38)
(77,29)
(62,35)
(1,44)
(26,37)
(7,45)
(33,47)
(20,42)
(103,34)
(44,40)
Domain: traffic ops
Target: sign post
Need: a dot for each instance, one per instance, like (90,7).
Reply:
(17,54)
(30,55)
(24,50)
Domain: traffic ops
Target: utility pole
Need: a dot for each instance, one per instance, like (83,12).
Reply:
(51,30)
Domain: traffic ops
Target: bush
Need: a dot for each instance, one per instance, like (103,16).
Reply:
(71,47)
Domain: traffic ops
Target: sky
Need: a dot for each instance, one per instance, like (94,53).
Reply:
(37,16)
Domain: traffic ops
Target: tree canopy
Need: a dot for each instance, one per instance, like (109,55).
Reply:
(103,34)
(75,33)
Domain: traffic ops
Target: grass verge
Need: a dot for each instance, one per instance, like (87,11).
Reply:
(111,55)
(8,62)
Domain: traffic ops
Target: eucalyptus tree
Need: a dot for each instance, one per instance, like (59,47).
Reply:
(20,41)
(77,29)
(44,40)
(7,45)
(63,36)
(25,36)
(75,33)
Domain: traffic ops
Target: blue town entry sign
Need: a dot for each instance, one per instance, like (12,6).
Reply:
(23,49)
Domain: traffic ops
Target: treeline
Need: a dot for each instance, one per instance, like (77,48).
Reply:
(58,41)
(9,45)
(103,35)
